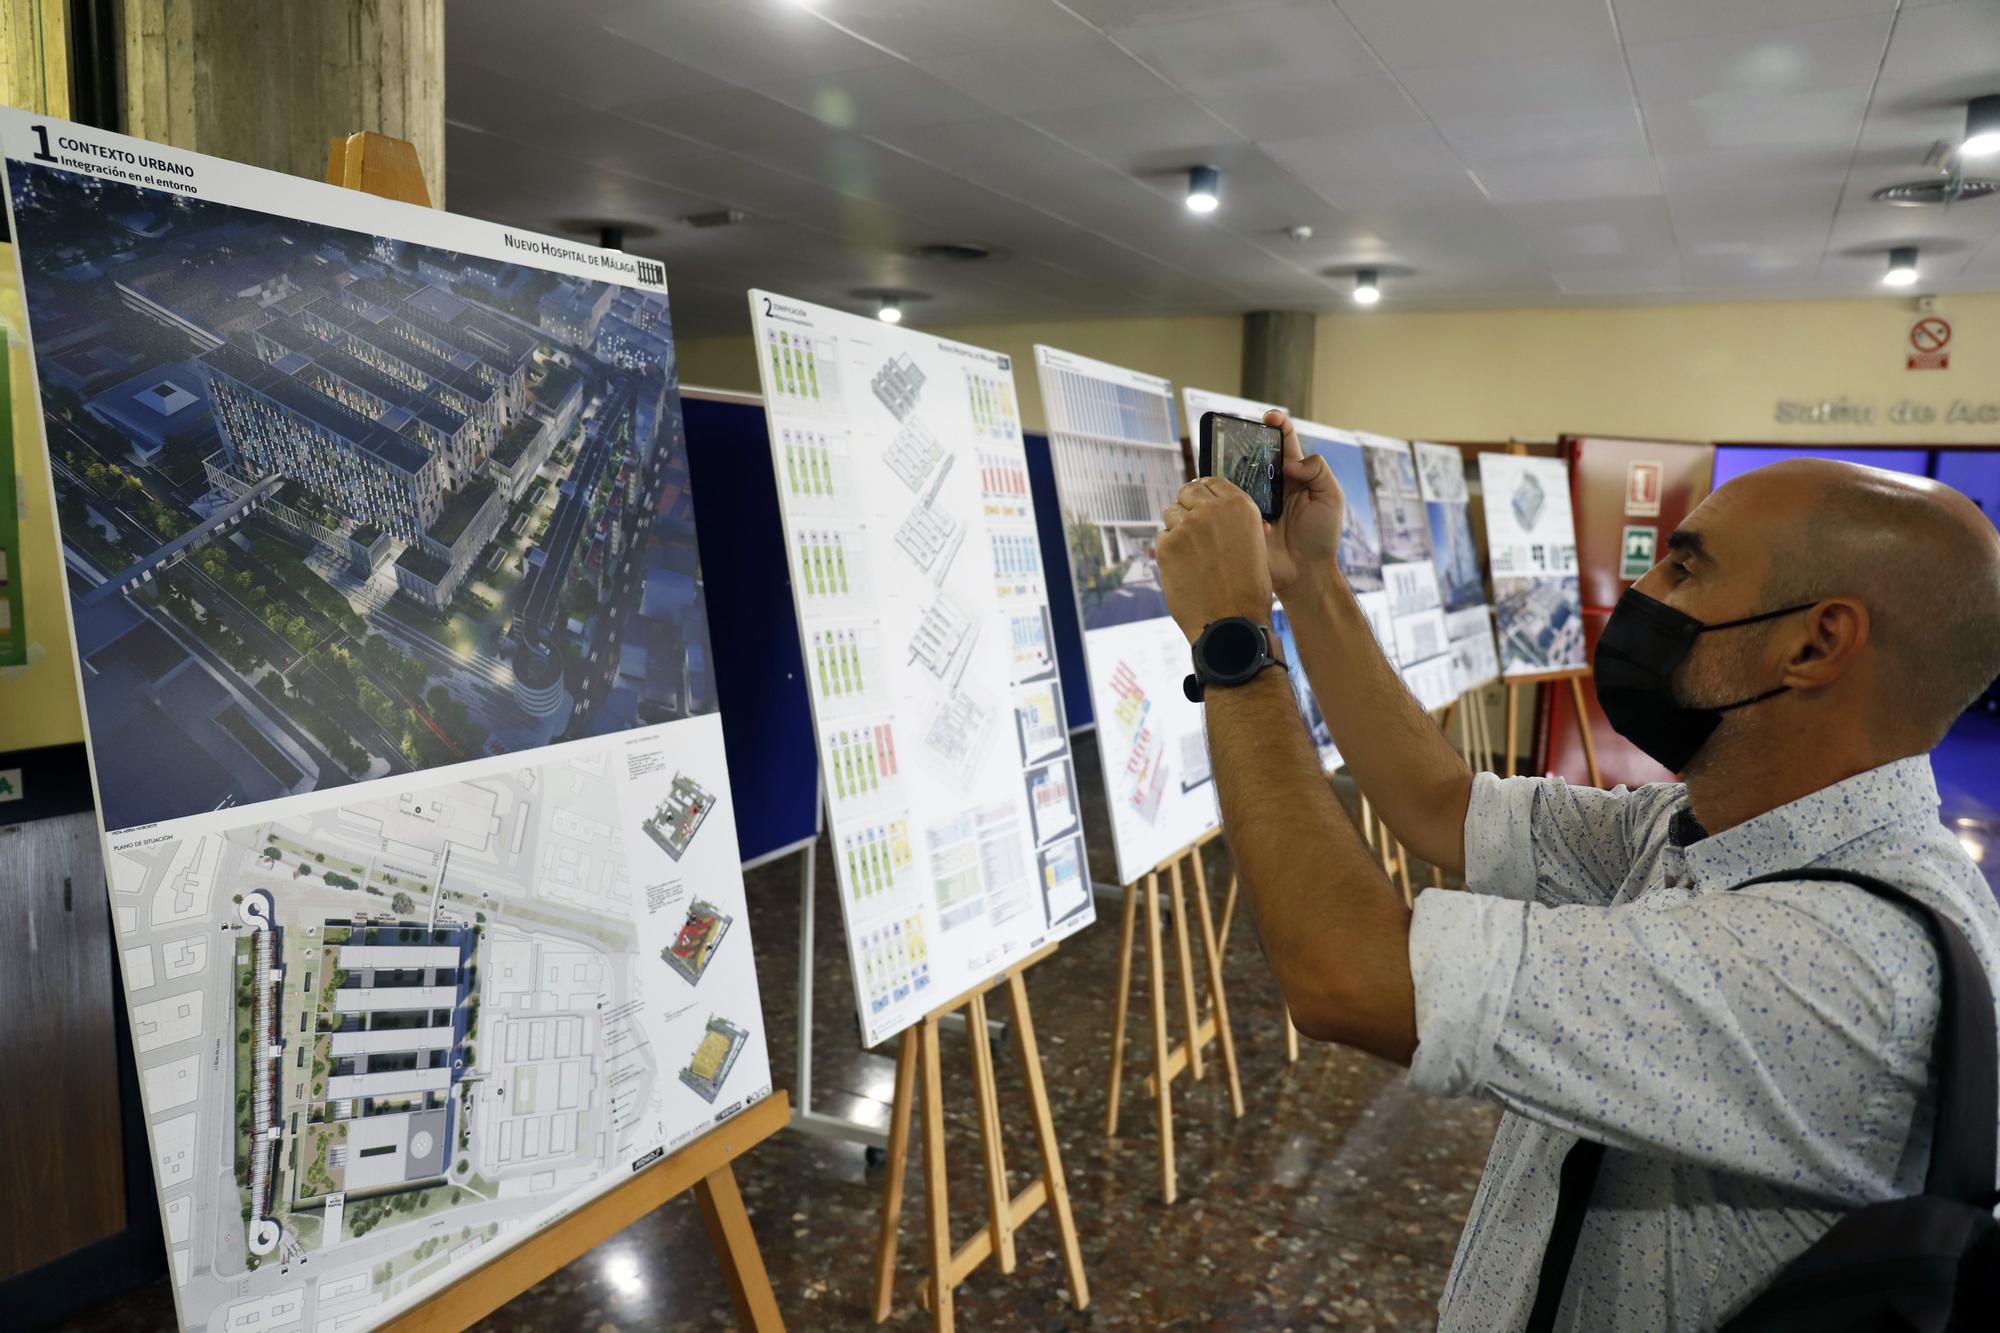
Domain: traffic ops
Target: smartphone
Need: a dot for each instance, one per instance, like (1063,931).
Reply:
(1249,453)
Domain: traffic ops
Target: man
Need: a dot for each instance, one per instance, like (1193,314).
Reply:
(1756,1061)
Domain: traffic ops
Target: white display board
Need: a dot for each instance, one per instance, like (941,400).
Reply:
(1531,538)
(951,797)
(1420,639)
(1116,451)
(378,546)
(1455,555)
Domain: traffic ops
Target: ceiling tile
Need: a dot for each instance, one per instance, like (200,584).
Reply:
(1801,122)
(925,29)
(1947,41)
(872,101)
(1123,13)
(1622,177)
(1642,21)
(1417,34)
(1301,108)
(1050,76)
(745,42)
(1839,55)
(1119,129)
(1307,39)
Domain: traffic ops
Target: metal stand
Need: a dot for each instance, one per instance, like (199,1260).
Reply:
(804,1118)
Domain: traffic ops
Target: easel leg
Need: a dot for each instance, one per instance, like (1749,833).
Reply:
(735,1246)
(1217,996)
(1187,972)
(1123,1002)
(937,1198)
(1045,1137)
(1583,731)
(999,1216)
(1157,974)
(1513,722)
(1291,1040)
(1403,875)
(892,1184)
(1228,906)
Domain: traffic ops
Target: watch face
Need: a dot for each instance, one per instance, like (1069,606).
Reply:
(1230,648)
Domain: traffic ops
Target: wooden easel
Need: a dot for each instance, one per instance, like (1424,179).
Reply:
(1185,1055)
(1575,677)
(703,1166)
(376,164)
(1005,1211)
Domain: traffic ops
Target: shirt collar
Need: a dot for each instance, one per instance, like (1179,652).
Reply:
(1806,831)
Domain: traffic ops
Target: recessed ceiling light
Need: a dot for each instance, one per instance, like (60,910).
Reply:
(1367,291)
(954,252)
(1982,127)
(1902,267)
(1204,189)
(888,301)
(890,311)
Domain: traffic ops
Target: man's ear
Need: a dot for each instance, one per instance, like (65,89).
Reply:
(1836,630)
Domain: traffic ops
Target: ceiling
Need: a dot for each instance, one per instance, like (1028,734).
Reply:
(1482,152)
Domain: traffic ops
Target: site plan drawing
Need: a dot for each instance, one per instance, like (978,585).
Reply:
(394,660)
(1531,538)
(917,576)
(1116,448)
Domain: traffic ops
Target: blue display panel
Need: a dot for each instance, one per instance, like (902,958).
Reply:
(1055,570)
(759,670)
(1733,460)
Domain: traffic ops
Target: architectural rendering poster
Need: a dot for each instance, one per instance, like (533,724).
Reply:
(1359,558)
(930,659)
(382,572)
(1118,465)
(1531,539)
(1422,648)
(1455,556)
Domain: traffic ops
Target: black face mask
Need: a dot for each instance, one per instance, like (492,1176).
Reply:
(1643,642)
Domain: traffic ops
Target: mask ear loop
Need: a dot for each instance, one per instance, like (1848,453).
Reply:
(1753,699)
(1751,620)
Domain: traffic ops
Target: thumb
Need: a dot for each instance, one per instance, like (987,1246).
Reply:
(1311,472)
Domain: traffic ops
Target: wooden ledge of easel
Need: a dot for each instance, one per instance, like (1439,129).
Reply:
(379,165)
(1575,676)
(704,1162)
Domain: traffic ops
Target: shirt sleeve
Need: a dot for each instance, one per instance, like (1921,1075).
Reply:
(1542,840)
(1781,1033)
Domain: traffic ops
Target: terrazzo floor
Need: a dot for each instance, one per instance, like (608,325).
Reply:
(1335,1202)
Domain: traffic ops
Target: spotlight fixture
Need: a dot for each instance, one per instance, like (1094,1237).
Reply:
(1204,189)
(611,237)
(1902,266)
(1366,290)
(1982,127)
(890,311)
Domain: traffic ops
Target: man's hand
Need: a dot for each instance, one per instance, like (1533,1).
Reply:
(1212,556)
(1302,543)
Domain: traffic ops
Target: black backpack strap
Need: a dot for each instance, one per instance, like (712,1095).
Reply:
(1963,1054)
(1579,1177)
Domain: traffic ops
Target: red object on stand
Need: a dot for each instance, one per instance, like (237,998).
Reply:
(1620,491)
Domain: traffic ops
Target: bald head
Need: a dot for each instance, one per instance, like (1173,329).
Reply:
(1920,556)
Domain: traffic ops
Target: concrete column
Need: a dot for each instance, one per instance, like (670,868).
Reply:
(1278,358)
(270,83)
(34,55)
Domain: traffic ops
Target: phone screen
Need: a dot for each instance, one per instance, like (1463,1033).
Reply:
(1250,454)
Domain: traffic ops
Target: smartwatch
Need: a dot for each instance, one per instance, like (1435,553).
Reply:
(1230,651)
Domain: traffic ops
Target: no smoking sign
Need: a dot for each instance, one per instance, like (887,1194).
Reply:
(1930,335)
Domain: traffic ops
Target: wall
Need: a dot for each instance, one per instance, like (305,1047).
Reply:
(1696,372)
(1203,350)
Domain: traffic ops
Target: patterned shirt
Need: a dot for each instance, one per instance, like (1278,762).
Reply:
(1755,1061)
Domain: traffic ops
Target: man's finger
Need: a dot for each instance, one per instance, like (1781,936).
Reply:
(1282,419)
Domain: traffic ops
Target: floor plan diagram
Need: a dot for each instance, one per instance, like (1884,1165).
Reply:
(374,1034)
